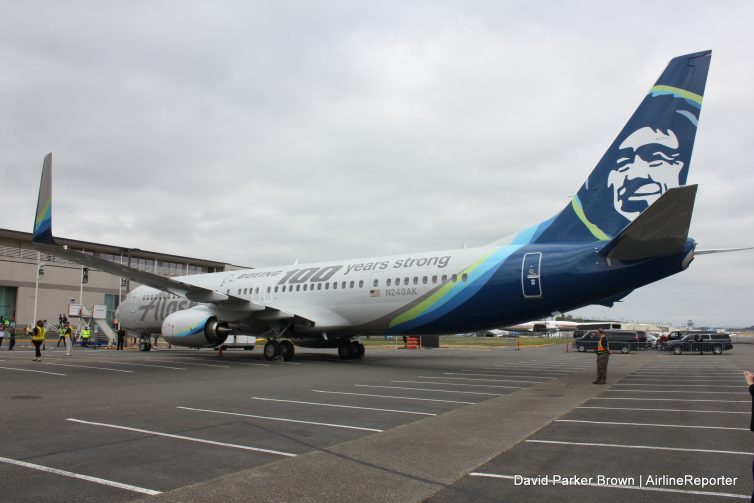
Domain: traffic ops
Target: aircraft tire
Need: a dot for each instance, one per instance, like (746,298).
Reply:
(288,350)
(360,349)
(346,350)
(272,350)
(145,346)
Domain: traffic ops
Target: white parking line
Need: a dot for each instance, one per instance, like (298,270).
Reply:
(685,379)
(673,399)
(344,406)
(424,389)
(29,370)
(615,423)
(481,375)
(181,437)
(649,447)
(680,385)
(190,363)
(142,365)
(526,372)
(670,391)
(282,419)
(664,410)
(638,488)
(87,367)
(389,396)
(454,384)
(473,379)
(497,373)
(79,476)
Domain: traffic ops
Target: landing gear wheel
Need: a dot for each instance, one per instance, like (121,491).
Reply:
(145,346)
(272,350)
(347,350)
(359,349)
(287,350)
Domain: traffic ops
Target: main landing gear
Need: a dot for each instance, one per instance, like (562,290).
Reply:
(145,342)
(351,350)
(276,349)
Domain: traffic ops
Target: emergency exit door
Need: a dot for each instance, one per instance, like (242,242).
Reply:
(530,275)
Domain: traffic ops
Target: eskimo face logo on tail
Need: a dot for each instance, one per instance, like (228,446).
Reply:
(649,163)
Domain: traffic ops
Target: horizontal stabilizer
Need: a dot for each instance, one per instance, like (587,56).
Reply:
(722,250)
(661,230)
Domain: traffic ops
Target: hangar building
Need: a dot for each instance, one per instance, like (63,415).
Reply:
(60,281)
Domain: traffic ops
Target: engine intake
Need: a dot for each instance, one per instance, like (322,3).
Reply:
(195,327)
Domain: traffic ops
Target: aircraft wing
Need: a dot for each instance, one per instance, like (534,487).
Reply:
(722,250)
(45,242)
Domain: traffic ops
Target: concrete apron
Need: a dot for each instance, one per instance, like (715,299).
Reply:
(416,460)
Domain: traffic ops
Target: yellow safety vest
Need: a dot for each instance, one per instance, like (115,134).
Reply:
(602,347)
(85,334)
(40,335)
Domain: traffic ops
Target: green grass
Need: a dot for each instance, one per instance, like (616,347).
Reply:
(481,342)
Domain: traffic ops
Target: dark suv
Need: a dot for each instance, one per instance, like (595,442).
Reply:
(624,341)
(700,342)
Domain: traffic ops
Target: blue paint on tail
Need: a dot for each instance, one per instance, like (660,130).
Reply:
(650,155)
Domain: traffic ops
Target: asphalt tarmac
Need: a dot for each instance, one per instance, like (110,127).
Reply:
(439,425)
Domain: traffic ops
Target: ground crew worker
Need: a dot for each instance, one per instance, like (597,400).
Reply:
(121,338)
(603,355)
(85,335)
(12,341)
(37,338)
(68,336)
(61,333)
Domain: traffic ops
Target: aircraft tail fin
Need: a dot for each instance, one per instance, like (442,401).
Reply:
(660,231)
(651,155)
(43,217)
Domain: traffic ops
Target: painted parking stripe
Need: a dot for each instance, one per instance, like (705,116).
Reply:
(497,373)
(190,363)
(389,396)
(454,384)
(476,379)
(615,423)
(79,476)
(686,379)
(344,426)
(671,391)
(87,367)
(638,488)
(680,385)
(344,406)
(30,370)
(425,389)
(142,365)
(673,399)
(482,375)
(181,437)
(664,410)
(649,447)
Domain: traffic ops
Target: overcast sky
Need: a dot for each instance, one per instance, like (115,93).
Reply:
(259,133)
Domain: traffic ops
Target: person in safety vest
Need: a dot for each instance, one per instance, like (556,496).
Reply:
(603,355)
(37,338)
(86,334)
(68,335)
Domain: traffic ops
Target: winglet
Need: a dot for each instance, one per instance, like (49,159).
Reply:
(43,218)
(661,230)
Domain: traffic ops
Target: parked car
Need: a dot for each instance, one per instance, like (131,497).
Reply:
(624,341)
(701,342)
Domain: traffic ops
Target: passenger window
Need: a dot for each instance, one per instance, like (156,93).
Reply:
(327,286)
(343,285)
(283,288)
(434,279)
(276,289)
(319,286)
(405,281)
(351,284)
(444,278)
(464,277)
(334,285)
(454,278)
(256,290)
(298,288)
(361,283)
(424,280)
(416,280)
(305,286)
(387,283)
(268,289)
(376,282)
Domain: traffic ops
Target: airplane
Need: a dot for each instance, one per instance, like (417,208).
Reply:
(543,326)
(626,227)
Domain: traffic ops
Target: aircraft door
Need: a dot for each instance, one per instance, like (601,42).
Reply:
(530,275)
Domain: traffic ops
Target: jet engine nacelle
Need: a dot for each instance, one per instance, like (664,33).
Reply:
(196,327)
